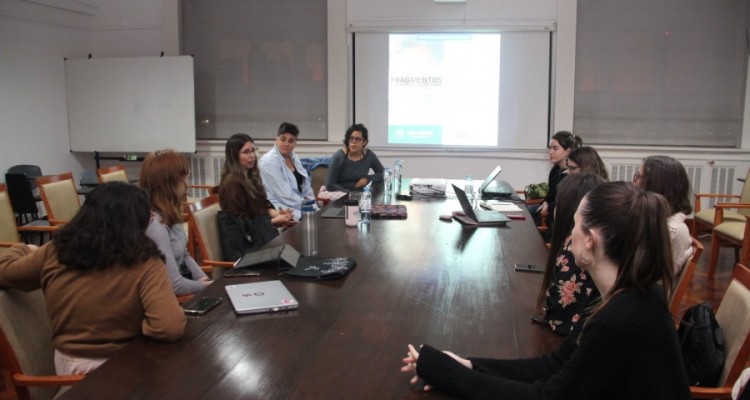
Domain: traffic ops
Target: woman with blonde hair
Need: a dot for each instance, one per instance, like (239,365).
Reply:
(164,177)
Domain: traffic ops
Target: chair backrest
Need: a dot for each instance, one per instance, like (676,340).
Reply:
(31,171)
(202,221)
(318,178)
(745,194)
(88,178)
(21,193)
(686,275)
(60,197)
(112,174)
(733,317)
(26,339)
(8,230)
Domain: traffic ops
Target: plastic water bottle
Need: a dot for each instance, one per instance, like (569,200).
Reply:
(310,228)
(365,206)
(469,187)
(397,176)
(387,183)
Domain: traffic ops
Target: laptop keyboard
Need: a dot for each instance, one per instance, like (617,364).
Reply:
(488,216)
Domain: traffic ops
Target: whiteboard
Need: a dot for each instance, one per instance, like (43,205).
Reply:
(131,104)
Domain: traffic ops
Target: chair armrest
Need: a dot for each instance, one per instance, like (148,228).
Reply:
(732,205)
(8,244)
(225,264)
(699,196)
(184,299)
(41,228)
(711,393)
(47,380)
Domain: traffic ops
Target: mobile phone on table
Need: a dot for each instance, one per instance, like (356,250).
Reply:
(529,268)
(202,306)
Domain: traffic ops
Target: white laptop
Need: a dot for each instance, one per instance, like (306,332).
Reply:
(495,189)
(260,297)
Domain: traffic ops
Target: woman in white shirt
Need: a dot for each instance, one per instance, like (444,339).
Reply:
(667,176)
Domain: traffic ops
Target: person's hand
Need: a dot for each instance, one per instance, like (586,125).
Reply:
(362,182)
(204,280)
(410,361)
(542,208)
(32,247)
(283,219)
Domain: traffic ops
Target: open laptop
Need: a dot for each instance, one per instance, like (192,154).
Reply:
(333,212)
(477,217)
(260,297)
(493,189)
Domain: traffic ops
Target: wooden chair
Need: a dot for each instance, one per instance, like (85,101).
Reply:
(733,316)
(112,174)
(9,231)
(60,197)
(686,275)
(703,220)
(205,231)
(730,233)
(26,345)
(318,178)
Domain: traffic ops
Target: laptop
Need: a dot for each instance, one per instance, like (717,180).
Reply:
(260,297)
(477,217)
(494,189)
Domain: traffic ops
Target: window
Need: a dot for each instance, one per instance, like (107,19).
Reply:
(257,63)
(661,72)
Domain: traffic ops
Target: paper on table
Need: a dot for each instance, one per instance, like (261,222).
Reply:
(502,206)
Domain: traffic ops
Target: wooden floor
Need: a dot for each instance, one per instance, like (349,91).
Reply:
(701,288)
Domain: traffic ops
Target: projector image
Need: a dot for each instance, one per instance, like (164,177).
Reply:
(428,186)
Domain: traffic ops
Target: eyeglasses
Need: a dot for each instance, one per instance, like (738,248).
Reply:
(355,139)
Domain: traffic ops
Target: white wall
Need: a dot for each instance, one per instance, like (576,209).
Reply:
(35,38)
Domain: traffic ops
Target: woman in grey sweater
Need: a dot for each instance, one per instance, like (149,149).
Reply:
(163,177)
(350,167)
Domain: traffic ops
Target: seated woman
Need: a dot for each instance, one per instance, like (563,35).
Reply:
(667,176)
(103,280)
(629,333)
(164,177)
(560,146)
(585,160)
(567,290)
(350,167)
(241,192)
(285,179)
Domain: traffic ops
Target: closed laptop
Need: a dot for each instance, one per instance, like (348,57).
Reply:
(260,297)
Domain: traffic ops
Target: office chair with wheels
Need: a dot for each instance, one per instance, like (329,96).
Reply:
(733,316)
(9,228)
(22,196)
(26,345)
(60,197)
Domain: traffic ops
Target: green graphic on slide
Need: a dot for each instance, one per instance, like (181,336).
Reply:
(414,134)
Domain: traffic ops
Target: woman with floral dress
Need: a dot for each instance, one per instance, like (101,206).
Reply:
(566,290)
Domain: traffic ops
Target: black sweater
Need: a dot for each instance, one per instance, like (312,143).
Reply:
(629,350)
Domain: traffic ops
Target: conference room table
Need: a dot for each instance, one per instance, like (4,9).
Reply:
(419,280)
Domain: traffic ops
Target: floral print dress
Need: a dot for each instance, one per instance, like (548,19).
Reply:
(569,294)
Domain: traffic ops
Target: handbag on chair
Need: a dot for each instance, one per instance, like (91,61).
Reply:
(239,236)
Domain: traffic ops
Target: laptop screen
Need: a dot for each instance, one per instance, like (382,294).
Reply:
(490,178)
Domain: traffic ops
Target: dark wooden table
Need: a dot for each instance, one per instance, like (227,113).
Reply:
(419,280)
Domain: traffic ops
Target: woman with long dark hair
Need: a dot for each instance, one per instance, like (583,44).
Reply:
(667,176)
(350,167)
(566,289)
(625,348)
(164,177)
(585,160)
(103,279)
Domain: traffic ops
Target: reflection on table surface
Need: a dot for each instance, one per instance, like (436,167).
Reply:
(419,280)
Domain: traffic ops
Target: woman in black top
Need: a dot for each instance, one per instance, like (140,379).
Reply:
(625,348)
(560,146)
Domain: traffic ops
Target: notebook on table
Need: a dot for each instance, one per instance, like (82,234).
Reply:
(477,217)
(493,189)
(260,297)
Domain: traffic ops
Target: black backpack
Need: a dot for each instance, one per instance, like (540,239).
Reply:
(702,345)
